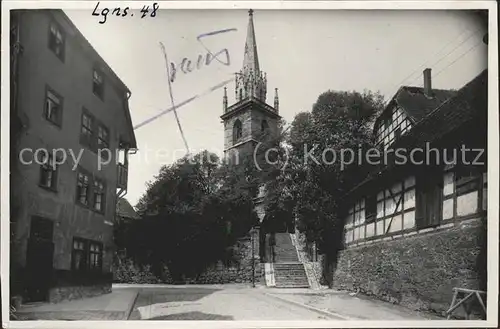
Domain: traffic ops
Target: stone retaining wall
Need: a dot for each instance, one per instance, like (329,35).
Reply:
(237,273)
(419,271)
(59,294)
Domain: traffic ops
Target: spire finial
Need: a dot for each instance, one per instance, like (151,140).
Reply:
(224,100)
(276,100)
(250,12)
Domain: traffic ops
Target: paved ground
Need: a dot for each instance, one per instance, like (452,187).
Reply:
(113,306)
(219,302)
(213,303)
(350,307)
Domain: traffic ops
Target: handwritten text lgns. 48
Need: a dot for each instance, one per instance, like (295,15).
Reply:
(103,12)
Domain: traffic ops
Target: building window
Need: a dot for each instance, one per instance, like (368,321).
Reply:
(94,134)
(56,41)
(371,208)
(95,255)
(90,191)
(82,189)
(78,256)
(86,255)
(98,84)
(392,127)
(98,195)
(53,107)
(237,131)
(466,180)
(48,171)
(359,212)
(103,141)
(87,129)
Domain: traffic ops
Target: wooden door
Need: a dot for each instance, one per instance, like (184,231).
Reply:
(39,258)
(429,199)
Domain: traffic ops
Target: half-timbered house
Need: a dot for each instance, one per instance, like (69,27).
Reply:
(414,226)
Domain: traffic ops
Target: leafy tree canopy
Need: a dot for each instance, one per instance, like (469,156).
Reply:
(319,166)
(191,213)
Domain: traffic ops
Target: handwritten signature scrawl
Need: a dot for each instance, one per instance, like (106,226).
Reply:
(186,66)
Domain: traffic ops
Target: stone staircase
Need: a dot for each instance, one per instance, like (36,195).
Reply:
(285,251)
(288,271)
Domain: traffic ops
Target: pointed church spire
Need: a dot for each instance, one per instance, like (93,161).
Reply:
(251,59)
(251,81)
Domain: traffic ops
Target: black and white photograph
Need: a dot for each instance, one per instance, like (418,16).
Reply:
(278,163)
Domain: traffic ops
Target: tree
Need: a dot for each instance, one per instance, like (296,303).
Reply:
(191,214)
(319,167)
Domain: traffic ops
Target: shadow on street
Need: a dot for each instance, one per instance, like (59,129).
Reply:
(153,296)
(197,316)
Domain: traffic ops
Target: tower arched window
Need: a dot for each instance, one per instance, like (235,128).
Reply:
(241,94)
(237,131)
(264,126)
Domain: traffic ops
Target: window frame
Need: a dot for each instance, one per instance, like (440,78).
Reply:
(397,120)
(45,167)
(90,264)
(102,193)
(87,137)
(58,28)
(84,173)
(92,140)
(371,208)
(58,121)
(103,141)
(466,179)
(94,266)
(83,253)
(91,191)
(237,131)
(98,83)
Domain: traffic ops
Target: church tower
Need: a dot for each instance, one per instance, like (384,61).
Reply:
(249,118)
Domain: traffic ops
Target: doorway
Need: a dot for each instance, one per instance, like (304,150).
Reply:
(429,199)
(39,258)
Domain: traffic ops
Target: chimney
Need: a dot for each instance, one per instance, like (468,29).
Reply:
(427,83)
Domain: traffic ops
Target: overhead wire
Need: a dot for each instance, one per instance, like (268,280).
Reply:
(441,58)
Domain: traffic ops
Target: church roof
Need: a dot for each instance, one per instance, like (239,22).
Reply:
(247,102)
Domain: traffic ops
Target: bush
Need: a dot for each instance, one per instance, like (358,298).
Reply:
(126,271)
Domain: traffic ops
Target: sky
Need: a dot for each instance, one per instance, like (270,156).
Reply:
(304,54)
